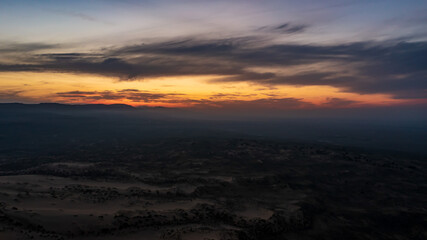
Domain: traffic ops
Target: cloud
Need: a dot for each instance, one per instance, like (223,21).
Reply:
(285,28)
(216,101)
(8,47)
(389,67)
(263,103)
(79,15)
(5,95)
(133,95)
(230,95)
(10,95)
(339,103)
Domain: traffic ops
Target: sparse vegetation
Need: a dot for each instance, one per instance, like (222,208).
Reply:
(214,189)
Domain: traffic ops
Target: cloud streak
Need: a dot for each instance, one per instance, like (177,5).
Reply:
(215,101)
(79,15)
(395,68)
(132,95)
(285,28)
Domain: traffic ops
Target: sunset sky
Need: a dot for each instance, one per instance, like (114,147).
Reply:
(215,54)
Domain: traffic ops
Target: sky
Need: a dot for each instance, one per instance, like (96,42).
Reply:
(279,55)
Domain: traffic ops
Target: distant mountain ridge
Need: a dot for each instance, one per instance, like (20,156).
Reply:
(60,106)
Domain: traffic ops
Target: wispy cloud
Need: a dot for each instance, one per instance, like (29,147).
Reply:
(79,15)
(340,103)
(284,28)
(133,95)
(395,68)
(11,47)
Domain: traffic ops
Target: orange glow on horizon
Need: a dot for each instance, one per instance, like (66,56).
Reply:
(177,92)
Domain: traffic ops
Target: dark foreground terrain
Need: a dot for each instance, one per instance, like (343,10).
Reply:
(204,188)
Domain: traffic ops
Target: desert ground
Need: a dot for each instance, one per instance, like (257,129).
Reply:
(200,188)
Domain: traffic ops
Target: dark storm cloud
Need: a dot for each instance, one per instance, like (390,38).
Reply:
(387,67)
